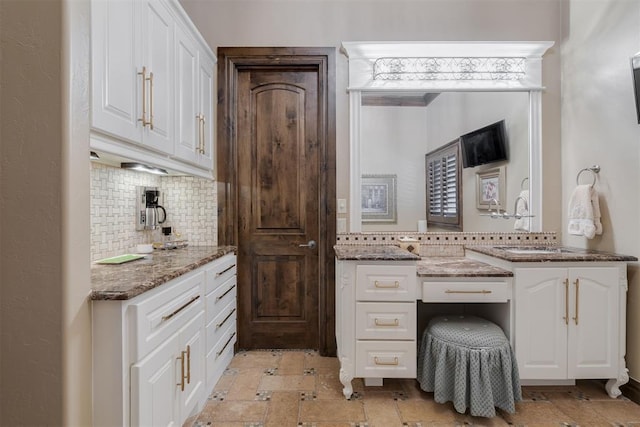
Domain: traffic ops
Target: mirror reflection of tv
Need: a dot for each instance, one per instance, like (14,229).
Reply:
(635,68)
(484,145)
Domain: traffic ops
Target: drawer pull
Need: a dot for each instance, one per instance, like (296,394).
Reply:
(395,322)
(218,298)
(378,362)
(179,309)
(219,325)
(377,284)
(225,345)
(484,291)
(220,273)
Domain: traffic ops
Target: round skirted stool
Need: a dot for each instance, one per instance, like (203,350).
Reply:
(469,361)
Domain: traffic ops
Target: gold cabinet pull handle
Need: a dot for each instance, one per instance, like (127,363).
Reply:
(188,364)
(219,325)
(378,362)
(220,273)
(150,122)
(577,283)
(379,285)
(143,74)
(204,133)
(566,301)
(378,322)
(179,309)
(483,291)
(181,359)
(218,298)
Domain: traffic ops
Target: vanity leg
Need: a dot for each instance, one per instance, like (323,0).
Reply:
(613,385)
(346,376)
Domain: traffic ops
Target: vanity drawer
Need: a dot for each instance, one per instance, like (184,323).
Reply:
(386,321)
(384,282)
(466,291)
(215,329)
(220,297)
(156,318)
(385,359)
(221,270)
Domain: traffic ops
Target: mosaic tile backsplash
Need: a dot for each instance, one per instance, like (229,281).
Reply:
(190,202)
(448,244)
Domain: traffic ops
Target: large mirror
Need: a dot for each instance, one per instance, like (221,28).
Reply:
(397,130)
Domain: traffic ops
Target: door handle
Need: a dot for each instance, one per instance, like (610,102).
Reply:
(311,244)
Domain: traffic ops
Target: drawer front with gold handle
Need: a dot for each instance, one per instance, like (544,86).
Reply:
(385,359)
(386,321)
(466,291)
(386,282)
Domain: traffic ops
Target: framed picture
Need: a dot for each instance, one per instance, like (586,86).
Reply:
(378,199)
(490,188)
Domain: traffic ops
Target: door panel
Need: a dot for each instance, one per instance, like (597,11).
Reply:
(593,325)
(278,208)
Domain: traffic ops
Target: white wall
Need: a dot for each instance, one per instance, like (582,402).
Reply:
(393,142)
(599,126)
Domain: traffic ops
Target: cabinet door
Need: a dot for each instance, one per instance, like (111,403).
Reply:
(157,56)
(153,387)
(115,53)
(194,394)
(541,327)
(593,326)
(206,90)
(186,68)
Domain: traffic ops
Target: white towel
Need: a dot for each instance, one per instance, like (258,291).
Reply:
(522,208)
(584,212)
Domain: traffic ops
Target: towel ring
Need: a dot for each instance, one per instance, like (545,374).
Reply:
(595,169)
(525,179)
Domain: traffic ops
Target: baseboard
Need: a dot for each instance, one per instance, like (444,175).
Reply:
(631,390)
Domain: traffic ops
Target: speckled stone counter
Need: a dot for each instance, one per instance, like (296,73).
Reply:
(373,253)
(125,281)
(458,267)
(551,254)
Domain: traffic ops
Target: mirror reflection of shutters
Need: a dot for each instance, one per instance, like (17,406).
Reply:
(443,186)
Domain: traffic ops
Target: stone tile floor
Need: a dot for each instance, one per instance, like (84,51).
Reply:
(302,389)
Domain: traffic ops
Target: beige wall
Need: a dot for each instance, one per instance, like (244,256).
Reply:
(31,188)
(599,126)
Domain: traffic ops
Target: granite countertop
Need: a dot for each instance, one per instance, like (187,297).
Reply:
(549,254)
(125,281)
(373,253)
(458,267)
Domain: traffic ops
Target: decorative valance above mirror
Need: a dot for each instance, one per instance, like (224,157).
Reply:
(419,74)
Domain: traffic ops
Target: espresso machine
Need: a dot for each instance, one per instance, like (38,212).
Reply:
(149,213)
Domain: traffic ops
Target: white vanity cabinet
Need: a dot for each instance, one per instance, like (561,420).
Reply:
(157,356)
(152,85)
(570,322)
(375,321)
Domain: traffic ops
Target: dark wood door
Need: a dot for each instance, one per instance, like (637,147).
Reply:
(279,133)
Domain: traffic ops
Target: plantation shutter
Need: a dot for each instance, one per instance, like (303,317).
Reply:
(443,186)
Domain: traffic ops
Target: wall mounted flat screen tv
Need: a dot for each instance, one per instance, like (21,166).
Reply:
(635,68)
(484,145)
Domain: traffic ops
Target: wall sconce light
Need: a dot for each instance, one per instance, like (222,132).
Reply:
(141,167)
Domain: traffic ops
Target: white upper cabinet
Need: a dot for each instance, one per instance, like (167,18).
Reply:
(157,54)
(152,85)
(194,93)
(115,39)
